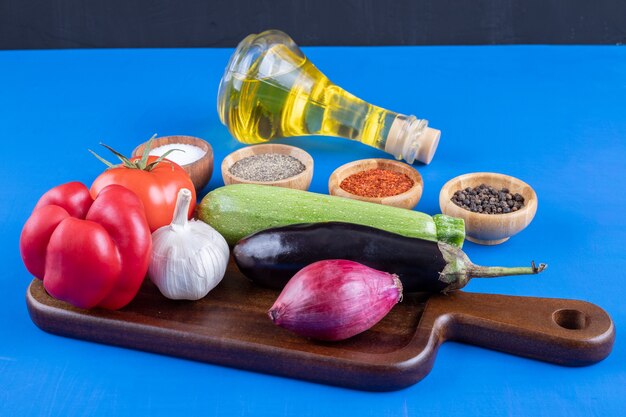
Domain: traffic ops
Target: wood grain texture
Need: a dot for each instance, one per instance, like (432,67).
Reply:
(230,327)
(489,229)
(407,199)
(199,171)
(302,181)
(40,24)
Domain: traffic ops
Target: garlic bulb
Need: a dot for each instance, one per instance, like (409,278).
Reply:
(189,258)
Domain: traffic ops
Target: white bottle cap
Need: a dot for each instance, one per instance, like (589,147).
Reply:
(428,142)
(410,138)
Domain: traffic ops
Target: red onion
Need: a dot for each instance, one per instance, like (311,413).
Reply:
(335,299)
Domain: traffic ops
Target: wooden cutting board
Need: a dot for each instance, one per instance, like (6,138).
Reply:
(230,327)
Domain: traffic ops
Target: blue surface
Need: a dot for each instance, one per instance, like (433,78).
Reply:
(552,116)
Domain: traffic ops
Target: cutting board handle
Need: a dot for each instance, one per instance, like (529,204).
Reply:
(567,332)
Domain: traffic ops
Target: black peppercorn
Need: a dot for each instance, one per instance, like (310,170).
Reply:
(487,199)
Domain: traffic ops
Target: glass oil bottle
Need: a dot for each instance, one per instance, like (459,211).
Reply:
(271,90)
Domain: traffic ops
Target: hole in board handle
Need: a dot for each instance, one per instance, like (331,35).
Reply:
(571,319)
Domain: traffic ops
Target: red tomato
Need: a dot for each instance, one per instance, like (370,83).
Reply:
(157,189)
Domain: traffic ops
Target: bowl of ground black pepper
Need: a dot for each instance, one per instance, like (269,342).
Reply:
(382,181)
(269,164)
(494,206)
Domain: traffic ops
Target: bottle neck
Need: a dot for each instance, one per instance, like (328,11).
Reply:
(411,139)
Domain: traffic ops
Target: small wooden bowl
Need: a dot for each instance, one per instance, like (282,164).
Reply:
(490,229)
(201,170)
(407,199)
(302,181)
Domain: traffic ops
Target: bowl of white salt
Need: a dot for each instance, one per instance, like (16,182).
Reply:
(193,154)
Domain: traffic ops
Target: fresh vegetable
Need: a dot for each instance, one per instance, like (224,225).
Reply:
(271,257)
(335,300)
(90,253)
(155,180)
(189,257)
(239,210)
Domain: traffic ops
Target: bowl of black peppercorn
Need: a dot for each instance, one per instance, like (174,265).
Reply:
(494,206)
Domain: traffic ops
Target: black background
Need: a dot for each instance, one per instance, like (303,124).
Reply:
(41,24)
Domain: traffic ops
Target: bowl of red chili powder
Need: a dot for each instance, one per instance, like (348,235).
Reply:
(382,181)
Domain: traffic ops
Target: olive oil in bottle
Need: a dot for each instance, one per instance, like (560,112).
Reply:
(271,90)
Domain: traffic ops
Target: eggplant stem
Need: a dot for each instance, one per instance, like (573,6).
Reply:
(477,271)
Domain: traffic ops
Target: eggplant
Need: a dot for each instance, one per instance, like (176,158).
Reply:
(272,256)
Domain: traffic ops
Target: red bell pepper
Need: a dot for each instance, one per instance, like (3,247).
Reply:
(88,252)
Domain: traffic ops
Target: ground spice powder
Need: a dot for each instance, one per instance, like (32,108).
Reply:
(377,183)
(267,167)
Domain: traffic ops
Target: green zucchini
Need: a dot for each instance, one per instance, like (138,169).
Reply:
(239,210)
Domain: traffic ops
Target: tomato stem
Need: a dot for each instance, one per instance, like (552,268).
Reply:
(101,159)
(151,165)
(121,157)
(142,163)
(146,153)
